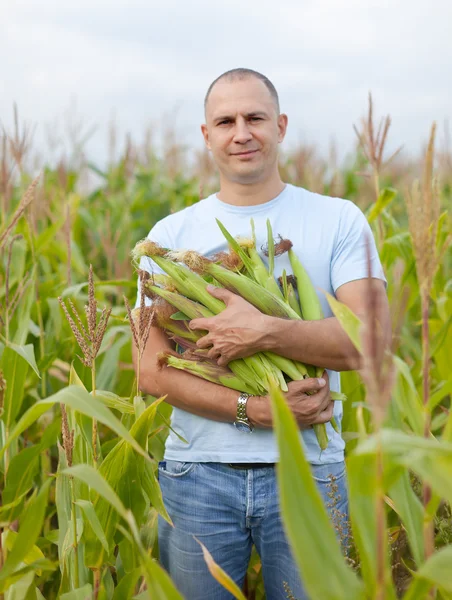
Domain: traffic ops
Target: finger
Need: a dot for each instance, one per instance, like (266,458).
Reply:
(223,360)
(325,375)
(204,342)
(325,400)
(304,386)
(200,323)
(221,294)
(213,354)
(325,416)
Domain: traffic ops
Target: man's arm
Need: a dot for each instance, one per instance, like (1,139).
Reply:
(241,330)
(325,343)
(183,390)
(218,403)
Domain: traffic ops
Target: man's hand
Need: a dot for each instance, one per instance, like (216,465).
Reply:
(238,331)
(309,400)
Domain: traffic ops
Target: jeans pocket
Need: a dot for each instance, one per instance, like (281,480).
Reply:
(328,472)
(175,468)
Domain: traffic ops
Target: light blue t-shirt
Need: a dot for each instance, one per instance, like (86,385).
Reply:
(329,236)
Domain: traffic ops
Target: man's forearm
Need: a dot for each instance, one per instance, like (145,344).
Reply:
(320,343)
(191,393)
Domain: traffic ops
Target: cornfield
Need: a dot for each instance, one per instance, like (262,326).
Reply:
(79,443)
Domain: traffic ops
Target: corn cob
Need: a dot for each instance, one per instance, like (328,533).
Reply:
(311,309)
(207,370)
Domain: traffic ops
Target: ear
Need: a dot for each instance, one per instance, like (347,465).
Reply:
(205,133)
(282,127)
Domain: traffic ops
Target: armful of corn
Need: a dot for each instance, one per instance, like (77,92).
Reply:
(182,295)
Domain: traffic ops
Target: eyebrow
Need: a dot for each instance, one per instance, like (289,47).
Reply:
(247,115)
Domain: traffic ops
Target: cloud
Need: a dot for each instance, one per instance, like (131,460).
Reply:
(140,60)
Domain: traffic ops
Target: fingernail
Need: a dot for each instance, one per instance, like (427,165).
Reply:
(211,287)
(321,381)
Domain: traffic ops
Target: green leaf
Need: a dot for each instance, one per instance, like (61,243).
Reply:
(83,593)
(270,248)
(154,493)
(364,495)
(436,571)
(18,576)
(93,520)
(384,199)
(6,508)
(235,246)
(30,527)
(126,587)
(15,370)
(113,401)
(27,353)
(179,316)
(308,527)
(63,502)
(95,481)
(80,400)
(350,323)
(435,399)
(157,579)
(19,480)
(221,576)
(407,398)
(123,470)
(26,304)
(33,555)
(410,510)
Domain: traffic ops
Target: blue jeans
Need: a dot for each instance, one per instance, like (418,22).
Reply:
(228,510)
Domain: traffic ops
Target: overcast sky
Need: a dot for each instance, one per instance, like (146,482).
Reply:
(148,62)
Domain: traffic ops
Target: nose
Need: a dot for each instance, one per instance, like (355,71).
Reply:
(242,134)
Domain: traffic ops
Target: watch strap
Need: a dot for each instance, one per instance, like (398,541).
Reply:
(241,416)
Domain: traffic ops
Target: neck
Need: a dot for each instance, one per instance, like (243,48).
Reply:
(251,194)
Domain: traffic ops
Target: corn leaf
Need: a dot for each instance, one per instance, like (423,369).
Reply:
(350,323)
(29,530)
(308,527)
(384,199)
(22,470)
(33,555)
(409,508)
(82,593)
(270,248)
(79,400)
(123,471)
(237,248)
(27,353)
(126,586)
(15,370)
(436,571)
(91,517)
(221,576)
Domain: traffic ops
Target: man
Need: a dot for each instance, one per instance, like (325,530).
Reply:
(220,487)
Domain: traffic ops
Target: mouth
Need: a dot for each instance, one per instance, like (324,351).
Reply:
(246,153)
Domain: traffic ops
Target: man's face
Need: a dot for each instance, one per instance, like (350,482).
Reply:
(243,130)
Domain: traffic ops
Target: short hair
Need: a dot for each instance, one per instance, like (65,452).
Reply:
(240,74)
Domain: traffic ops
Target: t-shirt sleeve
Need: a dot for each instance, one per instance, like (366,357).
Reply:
(349,260)
(159,235)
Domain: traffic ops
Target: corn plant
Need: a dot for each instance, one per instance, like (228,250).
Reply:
(68,525)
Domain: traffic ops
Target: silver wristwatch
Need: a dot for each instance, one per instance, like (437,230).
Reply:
(242,423)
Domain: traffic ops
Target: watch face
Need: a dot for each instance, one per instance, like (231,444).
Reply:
(240,426)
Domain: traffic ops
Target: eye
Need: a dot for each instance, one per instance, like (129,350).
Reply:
(256,119)
(225,122)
